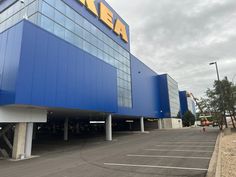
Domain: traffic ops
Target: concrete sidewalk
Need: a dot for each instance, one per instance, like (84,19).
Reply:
(228,155)
(223,160)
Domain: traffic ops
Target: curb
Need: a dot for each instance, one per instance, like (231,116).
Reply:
(218,166)
(214,169)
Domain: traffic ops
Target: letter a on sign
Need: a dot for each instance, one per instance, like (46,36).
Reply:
(120,30)
(90,5)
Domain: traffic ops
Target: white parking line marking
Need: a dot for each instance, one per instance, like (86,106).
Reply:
(174,157)
(189,142)
(175,150)
(154,166)
(184,145)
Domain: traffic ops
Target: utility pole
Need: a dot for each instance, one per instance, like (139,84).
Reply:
(234,77)
(221,92)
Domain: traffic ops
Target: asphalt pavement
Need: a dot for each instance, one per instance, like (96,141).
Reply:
(160,153)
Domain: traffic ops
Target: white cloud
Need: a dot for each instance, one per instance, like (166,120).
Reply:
(182,37)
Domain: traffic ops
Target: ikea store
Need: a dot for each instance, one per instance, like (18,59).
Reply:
(66,67)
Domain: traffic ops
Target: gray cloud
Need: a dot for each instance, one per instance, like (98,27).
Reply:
(182,37)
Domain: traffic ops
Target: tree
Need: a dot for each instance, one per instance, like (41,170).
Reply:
(221,101)
(213,103)
(188,119)
(179,115)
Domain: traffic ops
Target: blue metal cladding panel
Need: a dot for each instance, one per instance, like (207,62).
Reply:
(164,96)
(76,5)
(54,73)
(183,102)
(145,91)
(10,46)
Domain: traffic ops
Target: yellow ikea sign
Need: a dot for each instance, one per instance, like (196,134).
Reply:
(106,16)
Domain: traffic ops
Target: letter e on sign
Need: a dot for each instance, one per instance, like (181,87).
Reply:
(106,15)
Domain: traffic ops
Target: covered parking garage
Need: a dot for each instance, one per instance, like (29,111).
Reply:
(17,138)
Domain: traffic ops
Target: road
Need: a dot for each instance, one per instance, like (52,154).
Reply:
(160,153)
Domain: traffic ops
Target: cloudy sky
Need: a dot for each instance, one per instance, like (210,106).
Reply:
(181,37)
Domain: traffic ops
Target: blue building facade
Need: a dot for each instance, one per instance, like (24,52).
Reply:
(169,96)
(49,72)
(56,54)
(187,103)
(183,102)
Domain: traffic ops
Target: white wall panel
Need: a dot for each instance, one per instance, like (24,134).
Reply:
(173,92)
(12,115)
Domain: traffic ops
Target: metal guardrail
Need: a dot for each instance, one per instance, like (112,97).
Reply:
(5,129)
(6,149)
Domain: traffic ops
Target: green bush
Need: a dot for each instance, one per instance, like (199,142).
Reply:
(188,119)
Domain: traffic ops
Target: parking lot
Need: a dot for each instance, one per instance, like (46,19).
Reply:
(160,153)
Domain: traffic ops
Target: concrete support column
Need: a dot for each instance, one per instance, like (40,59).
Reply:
(142,124)
(130,126)
(160,124)
(28,139)
(18,151)
(54,128)
(66,124)
(77,128)
(109,128)
(35,129)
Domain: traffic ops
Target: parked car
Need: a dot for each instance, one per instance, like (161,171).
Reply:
(215,124)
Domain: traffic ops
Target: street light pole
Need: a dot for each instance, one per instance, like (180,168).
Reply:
(234,77)
(217,70)
(221,91)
